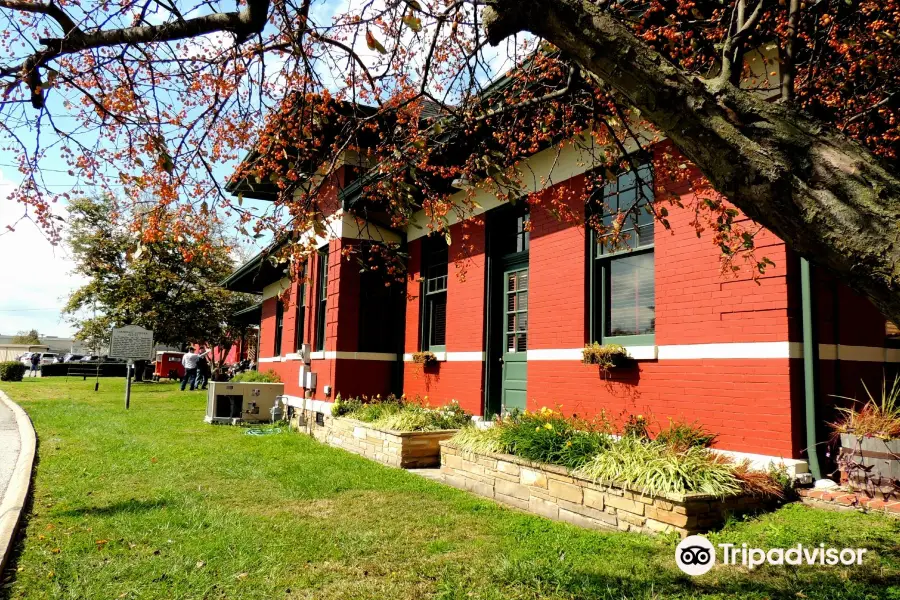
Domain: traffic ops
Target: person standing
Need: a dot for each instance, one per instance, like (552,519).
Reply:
(35,363)
(189,361)
(204,372)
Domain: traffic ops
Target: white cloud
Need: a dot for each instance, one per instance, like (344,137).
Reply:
(35,276)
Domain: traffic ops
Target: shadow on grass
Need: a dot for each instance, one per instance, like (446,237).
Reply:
(131,506)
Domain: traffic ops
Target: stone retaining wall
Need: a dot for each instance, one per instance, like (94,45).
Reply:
(404,449)
(549,491)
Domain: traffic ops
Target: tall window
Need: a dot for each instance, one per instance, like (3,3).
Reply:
(322,287)
(279,325)
(623,298)
(434,313)
(300,320)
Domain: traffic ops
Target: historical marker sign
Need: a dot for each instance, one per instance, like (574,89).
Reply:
(131,342)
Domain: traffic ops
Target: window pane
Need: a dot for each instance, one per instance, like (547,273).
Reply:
(523,321)
(521,345)
(438,319)
(523,301)
(511,343)
(630,305)
(510,302)
(511,282)
(511,322)
(523,280)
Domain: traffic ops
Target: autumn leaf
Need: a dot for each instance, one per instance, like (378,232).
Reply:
(374,44)
(412,22)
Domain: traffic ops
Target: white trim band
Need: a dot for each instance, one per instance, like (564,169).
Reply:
(725,351)
(333,355)
(451,356)
(635,352)
(752,350)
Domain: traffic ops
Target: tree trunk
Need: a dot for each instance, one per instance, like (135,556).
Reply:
(824,194)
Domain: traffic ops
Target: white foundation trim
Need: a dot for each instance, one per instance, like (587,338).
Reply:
(762,462)
(322,406)
(271,359)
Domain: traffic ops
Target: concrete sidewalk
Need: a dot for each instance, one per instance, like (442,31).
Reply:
(17,450)
(10,446)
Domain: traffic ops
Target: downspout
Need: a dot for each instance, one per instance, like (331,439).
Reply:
(810,359)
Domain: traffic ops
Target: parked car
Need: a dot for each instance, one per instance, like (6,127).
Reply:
(70,357)
(25,359)
(48,358)
(89,358)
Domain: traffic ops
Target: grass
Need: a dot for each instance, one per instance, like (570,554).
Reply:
(153,503)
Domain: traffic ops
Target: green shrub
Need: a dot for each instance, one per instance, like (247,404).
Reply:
(12,370)
(549,437)
(657,469)
(342,407)
(269,376)
(681,436)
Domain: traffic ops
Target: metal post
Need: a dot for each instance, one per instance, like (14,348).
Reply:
(128,383)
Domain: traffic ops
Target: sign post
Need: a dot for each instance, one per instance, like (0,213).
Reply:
(130,342)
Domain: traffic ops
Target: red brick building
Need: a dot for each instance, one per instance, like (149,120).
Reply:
(507,309)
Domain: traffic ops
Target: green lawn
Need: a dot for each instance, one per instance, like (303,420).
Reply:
(153,503)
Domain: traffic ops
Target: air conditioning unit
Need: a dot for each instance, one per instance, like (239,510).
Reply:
(233,403)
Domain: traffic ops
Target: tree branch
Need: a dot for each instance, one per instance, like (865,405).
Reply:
(821,192)
(51,10)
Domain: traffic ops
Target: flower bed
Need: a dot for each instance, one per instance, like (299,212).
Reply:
(391,431)
(579,471)
(552,491)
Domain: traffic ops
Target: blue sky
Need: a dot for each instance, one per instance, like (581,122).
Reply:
(37,277)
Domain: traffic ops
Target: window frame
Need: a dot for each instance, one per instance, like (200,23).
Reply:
(430,297)
(300,316)
(279,326)
(322,297)
(598,283)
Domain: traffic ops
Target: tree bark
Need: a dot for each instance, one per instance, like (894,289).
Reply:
(821,192)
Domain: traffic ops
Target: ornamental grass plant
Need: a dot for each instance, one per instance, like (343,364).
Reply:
(878,417)
(678,461)
(398,414)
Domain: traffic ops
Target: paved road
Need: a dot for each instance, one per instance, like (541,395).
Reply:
(10,445)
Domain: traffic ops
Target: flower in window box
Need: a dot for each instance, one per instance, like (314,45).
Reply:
(424,358)
(606,356)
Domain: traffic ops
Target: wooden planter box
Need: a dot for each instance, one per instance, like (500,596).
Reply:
(404,449)
(550,491)
(874,464)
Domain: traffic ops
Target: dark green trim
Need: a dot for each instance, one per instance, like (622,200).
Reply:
(599,263)
(810,360)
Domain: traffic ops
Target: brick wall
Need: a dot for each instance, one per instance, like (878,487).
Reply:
(460,381)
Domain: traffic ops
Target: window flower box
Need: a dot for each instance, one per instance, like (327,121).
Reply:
(607,356)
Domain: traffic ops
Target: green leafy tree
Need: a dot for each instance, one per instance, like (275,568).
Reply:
(27,337)
(159,284)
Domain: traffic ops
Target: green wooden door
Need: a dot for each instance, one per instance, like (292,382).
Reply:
(515,338)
